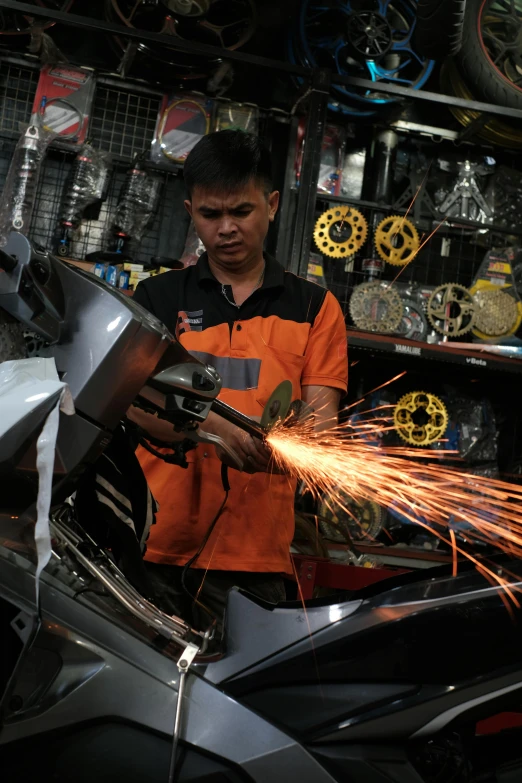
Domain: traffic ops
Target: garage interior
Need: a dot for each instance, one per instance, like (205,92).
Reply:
(394,129)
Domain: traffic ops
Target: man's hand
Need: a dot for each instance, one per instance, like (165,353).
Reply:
(255,455)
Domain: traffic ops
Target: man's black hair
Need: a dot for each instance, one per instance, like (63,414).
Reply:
(227,160)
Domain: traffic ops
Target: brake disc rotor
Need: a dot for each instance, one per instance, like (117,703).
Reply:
(451,310)
(420,418)
(340,232)
(396,240)
(496,313)
(414,325)
(375,307)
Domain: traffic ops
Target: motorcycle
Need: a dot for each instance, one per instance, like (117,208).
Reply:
(400,682)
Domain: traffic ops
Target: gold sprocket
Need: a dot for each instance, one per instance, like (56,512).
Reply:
(348,519)
(340,232)
(430,424)
(451,310)
(375,307)
(396,240)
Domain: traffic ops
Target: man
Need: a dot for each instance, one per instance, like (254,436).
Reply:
(258,325)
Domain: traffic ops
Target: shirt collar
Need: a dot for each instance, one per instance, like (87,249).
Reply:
(274,272)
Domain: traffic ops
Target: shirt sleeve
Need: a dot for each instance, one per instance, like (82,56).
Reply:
(326,357)
(141,296)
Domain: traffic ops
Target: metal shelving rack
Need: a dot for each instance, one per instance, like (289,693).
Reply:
(297,217)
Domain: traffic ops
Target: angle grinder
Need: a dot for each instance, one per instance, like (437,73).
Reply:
(278,408)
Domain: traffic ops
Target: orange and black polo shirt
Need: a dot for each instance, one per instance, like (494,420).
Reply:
(288,328)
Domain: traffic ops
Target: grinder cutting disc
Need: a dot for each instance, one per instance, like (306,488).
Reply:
(277,406)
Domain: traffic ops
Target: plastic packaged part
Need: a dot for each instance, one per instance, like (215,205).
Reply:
(194,247)
(136,207)
(19,193)
(63,101)
(182,121)
(237,116)
(86,184)
(315,271)
(473,430)
(504,193)
(498,308)
(332,154)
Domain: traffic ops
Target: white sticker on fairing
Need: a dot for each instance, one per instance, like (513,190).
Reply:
(27,385)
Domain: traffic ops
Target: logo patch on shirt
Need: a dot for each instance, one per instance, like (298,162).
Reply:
(189,321)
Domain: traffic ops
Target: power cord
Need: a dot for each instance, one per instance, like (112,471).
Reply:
(226,487)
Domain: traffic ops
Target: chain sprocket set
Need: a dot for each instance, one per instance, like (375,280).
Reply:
(452,310)
(420,418)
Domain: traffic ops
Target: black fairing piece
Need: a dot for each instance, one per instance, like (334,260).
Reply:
(378,678)
(107,752)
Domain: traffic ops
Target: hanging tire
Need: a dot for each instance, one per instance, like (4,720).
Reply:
(440,23)
(490,59)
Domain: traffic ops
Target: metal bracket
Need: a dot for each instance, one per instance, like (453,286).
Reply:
(307,192)
(186,657)
(184,663)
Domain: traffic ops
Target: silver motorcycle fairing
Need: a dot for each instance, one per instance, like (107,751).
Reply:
(390,712)
(108,671)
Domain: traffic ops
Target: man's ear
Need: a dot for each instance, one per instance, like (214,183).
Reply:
(188,206)
(273,204)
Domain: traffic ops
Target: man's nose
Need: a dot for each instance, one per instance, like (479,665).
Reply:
(227,226)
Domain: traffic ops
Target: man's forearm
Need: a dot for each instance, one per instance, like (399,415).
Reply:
(325,402)
(164,430)
(156,428)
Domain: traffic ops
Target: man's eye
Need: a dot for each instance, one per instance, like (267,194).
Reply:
(242,212)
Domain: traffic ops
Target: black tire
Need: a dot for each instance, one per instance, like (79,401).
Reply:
(480,74)
(438,33)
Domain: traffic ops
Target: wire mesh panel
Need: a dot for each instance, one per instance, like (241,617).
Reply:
(123,122)
(94,235)
(17,90)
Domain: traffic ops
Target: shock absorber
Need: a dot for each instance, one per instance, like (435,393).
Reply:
(86,184)
(25,165)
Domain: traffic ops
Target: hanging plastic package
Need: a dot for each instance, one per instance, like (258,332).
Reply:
(86,186)
(498,307)
(31,398)
(63,101)
(182,122)
(19,193)
(237,116)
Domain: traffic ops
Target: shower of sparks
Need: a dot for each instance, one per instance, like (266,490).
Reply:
(341,462)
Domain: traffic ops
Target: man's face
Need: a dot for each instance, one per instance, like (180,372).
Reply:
(233,226)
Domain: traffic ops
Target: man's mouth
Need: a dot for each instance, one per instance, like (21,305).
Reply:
(230,247)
